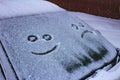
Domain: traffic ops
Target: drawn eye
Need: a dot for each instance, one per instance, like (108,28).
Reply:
(32,38)
(75,26)
(47,37)
(81,25)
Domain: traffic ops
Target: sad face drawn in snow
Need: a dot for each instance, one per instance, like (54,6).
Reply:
(54,46)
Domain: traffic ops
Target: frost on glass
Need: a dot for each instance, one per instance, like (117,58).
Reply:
(53,46)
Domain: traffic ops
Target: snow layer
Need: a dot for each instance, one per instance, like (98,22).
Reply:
(109,28)
(108,75)
(10,8)
(80,48)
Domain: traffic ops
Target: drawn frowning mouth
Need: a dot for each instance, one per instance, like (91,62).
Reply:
(84,32)
(46,52)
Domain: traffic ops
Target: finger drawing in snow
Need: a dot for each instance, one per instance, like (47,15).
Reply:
(47,37)
(54,46)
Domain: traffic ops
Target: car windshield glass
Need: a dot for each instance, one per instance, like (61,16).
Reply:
(53,46)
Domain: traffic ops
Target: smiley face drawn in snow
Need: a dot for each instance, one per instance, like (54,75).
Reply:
(47,37)
(50,47)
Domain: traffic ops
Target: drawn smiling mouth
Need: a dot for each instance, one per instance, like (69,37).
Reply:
(46,52)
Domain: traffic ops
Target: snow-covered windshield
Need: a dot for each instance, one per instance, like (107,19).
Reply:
(54,46)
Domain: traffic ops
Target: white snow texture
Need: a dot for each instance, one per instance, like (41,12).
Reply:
(109,28)
(12,8)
